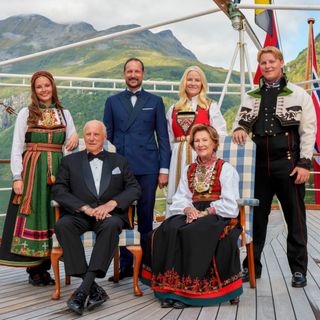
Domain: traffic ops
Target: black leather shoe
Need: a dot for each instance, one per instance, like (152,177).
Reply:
(124,273)
(97,297)
(167,303)
(41,279)
(179,305)
(246,277)
(299,280)
(36,280)
(77,301)
(235,301)
(47,280)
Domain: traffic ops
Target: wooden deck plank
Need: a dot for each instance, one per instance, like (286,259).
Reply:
(312,288)
(31,308)
(113,309)
(152,311)
(227,311)
(51,308)
(274,298)
(172,315)
(298,297)
(247,305)
(282,303)
(208,313)
(190,313)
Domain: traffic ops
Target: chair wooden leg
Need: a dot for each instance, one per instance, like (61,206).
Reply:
(67,280)
(56,254)
(116,266)
(137,256)
(252,275)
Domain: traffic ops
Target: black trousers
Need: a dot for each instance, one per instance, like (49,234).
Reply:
(68,230)
(276,158)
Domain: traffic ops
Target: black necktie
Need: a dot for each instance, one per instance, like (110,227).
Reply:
(101,155)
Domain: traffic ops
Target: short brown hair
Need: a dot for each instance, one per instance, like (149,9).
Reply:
(204,127)
(269,49)
(133,59)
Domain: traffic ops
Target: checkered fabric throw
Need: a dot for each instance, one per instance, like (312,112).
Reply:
(243,159)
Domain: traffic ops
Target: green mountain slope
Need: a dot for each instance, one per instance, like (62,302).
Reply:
(296,69)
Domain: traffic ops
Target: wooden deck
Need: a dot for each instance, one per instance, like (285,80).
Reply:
(274,298)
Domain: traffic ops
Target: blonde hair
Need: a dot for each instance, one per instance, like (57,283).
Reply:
(203,101)
(269,49)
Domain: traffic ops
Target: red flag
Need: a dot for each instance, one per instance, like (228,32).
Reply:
(266,20)
(315,94)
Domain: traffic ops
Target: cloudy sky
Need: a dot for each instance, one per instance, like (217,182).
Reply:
(210,37)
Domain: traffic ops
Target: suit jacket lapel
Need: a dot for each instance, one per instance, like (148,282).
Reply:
(137,108)
(87,174)
(105,175)
(126,102)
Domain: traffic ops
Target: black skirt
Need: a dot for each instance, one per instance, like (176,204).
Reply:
(196,263)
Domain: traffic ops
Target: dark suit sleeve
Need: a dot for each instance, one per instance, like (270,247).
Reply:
(108,119)
(163,136)
(61,190)
(131,189)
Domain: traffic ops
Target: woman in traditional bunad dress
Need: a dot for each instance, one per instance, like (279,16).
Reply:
(192,259)
(41,131)
(193,107)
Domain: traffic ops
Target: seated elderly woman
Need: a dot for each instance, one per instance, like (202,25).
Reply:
(192,259)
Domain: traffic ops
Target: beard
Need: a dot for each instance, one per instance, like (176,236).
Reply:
(135,86)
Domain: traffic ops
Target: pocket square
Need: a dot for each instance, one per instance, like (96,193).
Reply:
(116,171)
(147,109)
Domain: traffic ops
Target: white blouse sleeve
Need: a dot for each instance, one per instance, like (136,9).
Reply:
(169,124)
(183,196)
(227,205)
(217,120)
(18,141)
(70,129)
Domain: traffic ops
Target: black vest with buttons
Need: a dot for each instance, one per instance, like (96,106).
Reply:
(267,123)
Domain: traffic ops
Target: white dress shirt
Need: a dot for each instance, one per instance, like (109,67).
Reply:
(226,206)
(96,169)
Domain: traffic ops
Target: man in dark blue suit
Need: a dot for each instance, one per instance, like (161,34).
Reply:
(137,126)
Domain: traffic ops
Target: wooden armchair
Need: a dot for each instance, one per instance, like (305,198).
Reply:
(129,238)
(243,158)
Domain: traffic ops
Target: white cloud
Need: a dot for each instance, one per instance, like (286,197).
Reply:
(211,37)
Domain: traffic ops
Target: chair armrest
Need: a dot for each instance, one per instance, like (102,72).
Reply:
(54,204)
(56,207)
(130,213)
(242,202)
(251,202)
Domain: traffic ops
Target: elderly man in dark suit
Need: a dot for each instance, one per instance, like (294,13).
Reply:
(94,189)
(137,126)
